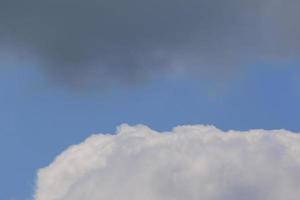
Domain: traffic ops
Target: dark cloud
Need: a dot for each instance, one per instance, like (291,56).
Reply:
(109,41)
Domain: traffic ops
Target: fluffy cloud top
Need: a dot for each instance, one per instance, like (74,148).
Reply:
(191,162)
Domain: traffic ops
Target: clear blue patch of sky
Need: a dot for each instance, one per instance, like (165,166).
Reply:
(38,121)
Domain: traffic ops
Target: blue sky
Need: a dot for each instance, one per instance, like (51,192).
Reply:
(69,69)
(39,119)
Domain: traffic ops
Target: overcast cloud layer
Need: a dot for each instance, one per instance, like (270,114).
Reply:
(109,41)
(191,162)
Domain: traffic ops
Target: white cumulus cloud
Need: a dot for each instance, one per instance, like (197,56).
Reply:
(189,163)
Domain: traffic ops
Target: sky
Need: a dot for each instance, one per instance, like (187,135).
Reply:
(39,120)
(94,65)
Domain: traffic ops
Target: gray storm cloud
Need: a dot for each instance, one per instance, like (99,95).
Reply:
(190,162)
(127,40)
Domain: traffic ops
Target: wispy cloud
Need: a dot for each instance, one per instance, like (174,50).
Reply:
(113,41)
